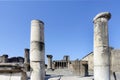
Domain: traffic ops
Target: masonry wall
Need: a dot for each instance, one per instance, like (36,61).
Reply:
(79,68)
(75,67)
(114,61)
(13,76)
(89,58)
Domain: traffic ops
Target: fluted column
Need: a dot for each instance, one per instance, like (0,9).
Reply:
(101,47)
(37,50)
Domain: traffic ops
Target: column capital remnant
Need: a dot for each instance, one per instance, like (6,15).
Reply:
(106,15)
(49,56)
(101,47)
(26,49)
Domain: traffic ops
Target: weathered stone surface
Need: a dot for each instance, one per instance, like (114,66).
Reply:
(12,76)
(115,60)
(71,78)
(38,71)
(37,41)
(90,60)
(4,58)
(49,66)
(101,47)
(106,15)
(16,60)
(27,60)
(37,50)
(12,71)
(117,75)
(66,58)
(26,56)
(10,67)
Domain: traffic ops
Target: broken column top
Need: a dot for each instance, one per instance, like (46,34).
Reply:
(26,49)
(102,14)
(49,56)
(37,21)
(5,55)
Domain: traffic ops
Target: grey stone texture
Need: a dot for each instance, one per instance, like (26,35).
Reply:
(63,63)
(37,50)
(12,71)
(4,58)
(49,66)
(101,47)
(27,59)
(79,68)
(26,56)
(13,76)
(114,63)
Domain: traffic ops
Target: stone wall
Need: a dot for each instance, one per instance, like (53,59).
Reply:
(12,71)
(13,68)
(79,68)
(13,76)
(5,59)
(89,58)
(114,61)
(16,59)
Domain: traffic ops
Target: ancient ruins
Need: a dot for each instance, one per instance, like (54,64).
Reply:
(14,68)
(101,47)
(103,63)
(37,52)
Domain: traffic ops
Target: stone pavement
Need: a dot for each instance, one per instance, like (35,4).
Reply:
(70,78)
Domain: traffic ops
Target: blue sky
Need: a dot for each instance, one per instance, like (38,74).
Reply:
(68,25)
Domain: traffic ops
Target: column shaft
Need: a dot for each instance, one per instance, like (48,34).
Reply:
(37,50)
(49,61)
(26,56)
(27,60)
(101,47)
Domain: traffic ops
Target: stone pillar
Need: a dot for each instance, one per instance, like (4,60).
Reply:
(62,64)
(49,66)
(101,47)
(4,58)
(57,64)
(26,56)
(53,65)
(37,50)
(27,59)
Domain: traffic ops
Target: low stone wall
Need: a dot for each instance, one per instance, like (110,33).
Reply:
(13,76)
(12,71)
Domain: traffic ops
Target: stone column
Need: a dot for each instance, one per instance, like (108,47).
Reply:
(62,64)
(37,50)
(101,47)
(49,66)
(4,58)
(26,56)
(53,65)
(27,59)
(57,64)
